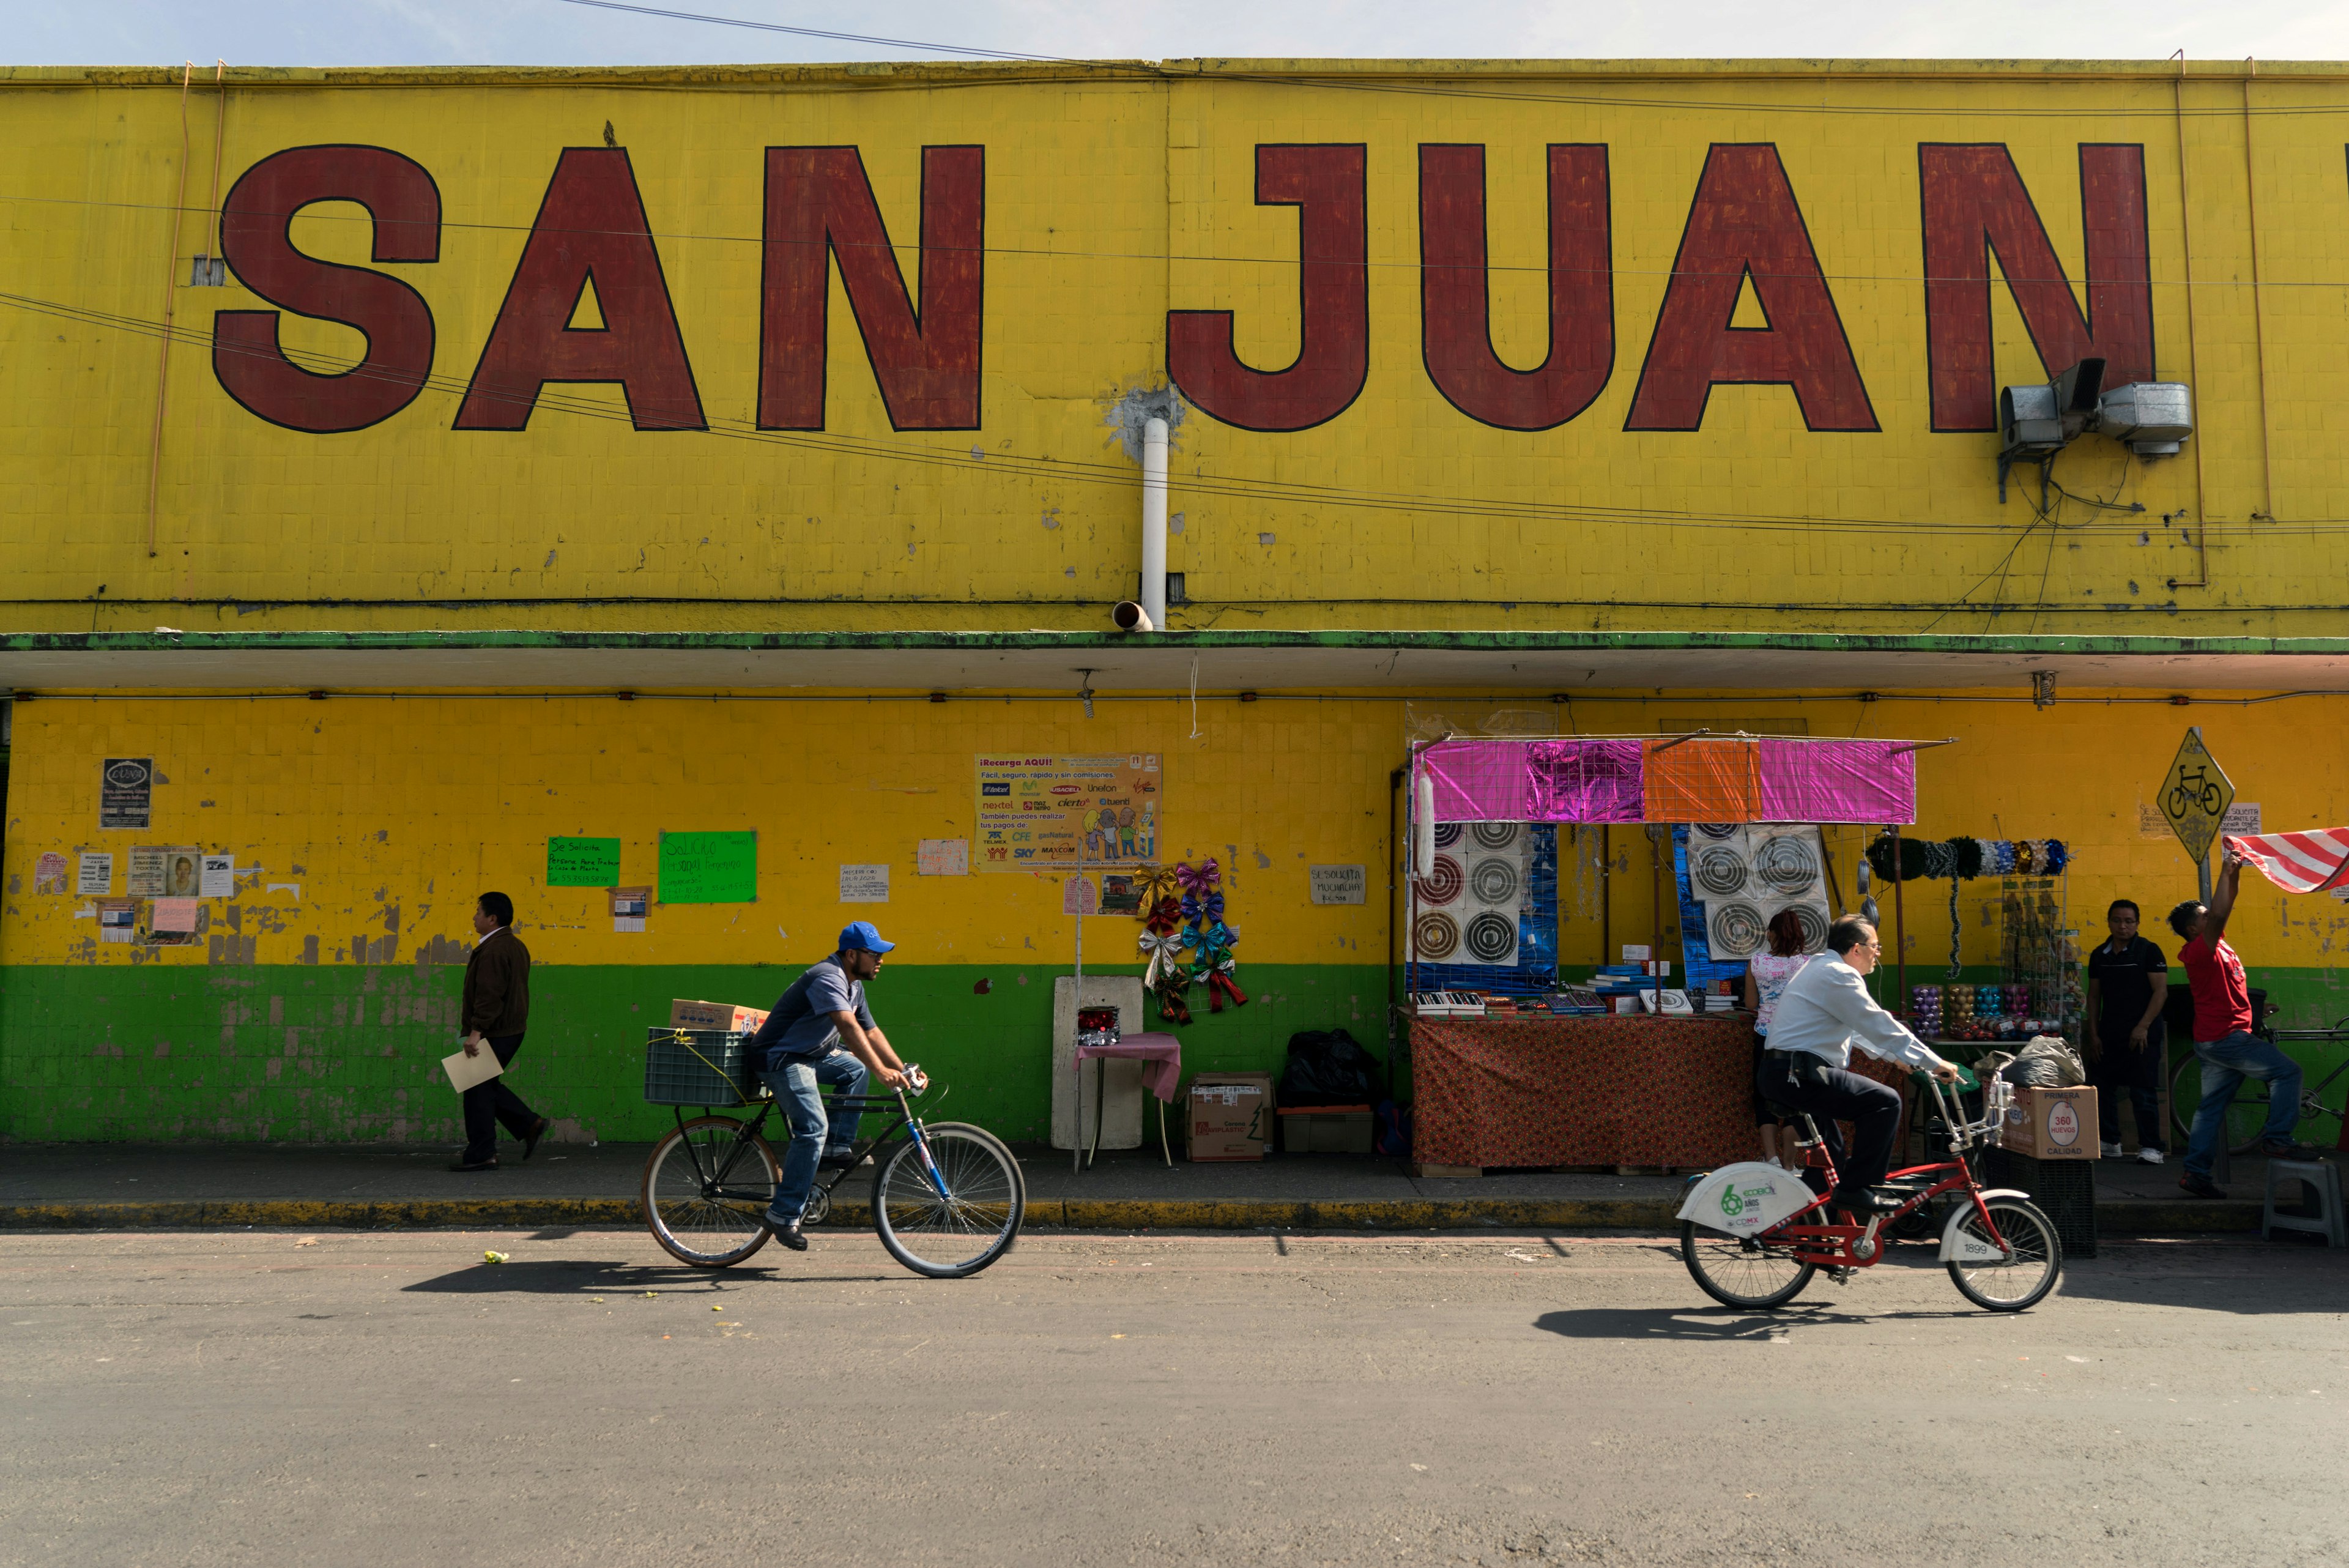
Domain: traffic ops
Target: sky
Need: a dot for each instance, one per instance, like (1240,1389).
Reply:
(561,32)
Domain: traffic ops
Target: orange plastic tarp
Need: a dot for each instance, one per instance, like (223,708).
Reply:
(1710,779)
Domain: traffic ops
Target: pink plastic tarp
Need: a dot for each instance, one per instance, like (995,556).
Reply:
(1603,780)
(1837,781)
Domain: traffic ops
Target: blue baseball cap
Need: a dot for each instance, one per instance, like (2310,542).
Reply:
(860,936)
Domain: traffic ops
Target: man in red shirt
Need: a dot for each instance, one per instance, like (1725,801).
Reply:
(2223,1039)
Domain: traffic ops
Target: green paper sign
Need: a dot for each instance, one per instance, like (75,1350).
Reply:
(582,862)
(710,868)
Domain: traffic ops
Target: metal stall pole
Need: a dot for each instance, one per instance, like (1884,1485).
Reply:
(1077,1034)
(1899,928)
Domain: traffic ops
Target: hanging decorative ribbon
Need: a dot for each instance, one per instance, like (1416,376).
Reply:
(1174,980)
(1166,916)
(1220,986)
(1203,909)
(1198,878)
(1151,884)
(1164,950)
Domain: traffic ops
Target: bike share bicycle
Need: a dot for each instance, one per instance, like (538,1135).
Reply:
(1753,1235)
(946,1202)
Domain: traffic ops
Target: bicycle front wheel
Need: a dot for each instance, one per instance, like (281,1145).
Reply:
(1743,1272)
(2025,1277)
(2246,1117)
(705,1186)
(953,1226)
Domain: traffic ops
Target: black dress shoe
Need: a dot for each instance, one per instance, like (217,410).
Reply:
(2194,1186)
(788,1235)
(530,1139)
(1866,1200)
(465,1165)
(841,1159)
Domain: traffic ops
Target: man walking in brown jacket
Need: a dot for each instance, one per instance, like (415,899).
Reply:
(495,1011)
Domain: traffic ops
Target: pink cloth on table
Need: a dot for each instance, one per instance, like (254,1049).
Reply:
(1837,781)
(1161,1056)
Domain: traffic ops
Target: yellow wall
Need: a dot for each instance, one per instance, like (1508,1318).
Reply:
(1115,195)
(415,804)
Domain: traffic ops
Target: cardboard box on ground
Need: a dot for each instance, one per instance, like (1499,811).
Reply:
(689,1014)
(1327,1129)
(1228,1115)
(2052,1124)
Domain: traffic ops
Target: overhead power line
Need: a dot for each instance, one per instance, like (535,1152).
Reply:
(1157,70)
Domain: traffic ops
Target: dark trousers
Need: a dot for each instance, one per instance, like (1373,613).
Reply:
(1802,1082)
(490,1103)
(2119,1070)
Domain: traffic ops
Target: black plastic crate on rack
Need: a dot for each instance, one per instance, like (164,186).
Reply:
(696,1067)
(2064,1189)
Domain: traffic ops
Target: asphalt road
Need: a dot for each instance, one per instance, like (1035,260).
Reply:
(389,1398)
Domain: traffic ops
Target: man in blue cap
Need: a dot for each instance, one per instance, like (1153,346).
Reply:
(800,1048)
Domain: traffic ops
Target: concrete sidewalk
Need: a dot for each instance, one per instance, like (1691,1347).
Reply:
(89,1185)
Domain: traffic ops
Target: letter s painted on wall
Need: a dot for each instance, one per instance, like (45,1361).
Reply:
(256,221)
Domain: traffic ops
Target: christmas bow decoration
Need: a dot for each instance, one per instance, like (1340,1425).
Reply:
(1174,980)
(1164,916)
(1164,951)
(1198,878)
(1215,963)
(1154,883)
(1201,909)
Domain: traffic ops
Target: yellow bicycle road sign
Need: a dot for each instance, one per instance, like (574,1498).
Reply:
(2195,794)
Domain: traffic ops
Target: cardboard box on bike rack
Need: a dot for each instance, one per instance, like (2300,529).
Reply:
(687,1014)
(1228,1115)
(2052,1124)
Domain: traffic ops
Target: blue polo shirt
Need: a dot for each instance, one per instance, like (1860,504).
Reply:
(801,1027)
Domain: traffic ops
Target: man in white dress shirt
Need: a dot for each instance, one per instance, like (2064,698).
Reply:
(1824,1012)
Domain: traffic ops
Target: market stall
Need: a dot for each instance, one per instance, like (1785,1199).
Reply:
(1638,1067)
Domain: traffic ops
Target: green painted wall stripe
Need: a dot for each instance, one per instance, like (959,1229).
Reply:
(338,1053)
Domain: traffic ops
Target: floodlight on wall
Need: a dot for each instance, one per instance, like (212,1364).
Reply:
(2152,419)
(2035,422)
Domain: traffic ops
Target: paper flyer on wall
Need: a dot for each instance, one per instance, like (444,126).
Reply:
(164,871)
(1054,812)
(217,876)
(95,873)
(49,873)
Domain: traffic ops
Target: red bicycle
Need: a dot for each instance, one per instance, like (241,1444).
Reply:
(1754,1235)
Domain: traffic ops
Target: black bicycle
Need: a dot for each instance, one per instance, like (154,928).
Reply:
(2247,1114)
(947,1198)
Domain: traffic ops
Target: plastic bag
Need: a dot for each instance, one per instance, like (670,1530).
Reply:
(2048,1063)
(1326,1067)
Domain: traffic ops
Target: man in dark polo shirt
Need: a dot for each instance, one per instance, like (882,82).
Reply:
(2128,981)
(494,1012)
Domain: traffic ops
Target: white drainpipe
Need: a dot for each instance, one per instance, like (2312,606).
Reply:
(1153,522)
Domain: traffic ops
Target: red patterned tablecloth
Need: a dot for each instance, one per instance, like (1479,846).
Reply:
(1584,1091)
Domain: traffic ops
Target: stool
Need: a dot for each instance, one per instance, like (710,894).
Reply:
(2323,1180)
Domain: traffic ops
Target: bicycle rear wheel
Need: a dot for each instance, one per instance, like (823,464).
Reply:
(705,1185)
(1741,1271)
(2246,1117)
(964,1220)
(2023,1279)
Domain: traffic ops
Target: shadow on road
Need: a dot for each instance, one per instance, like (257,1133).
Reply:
(2245,1279)
(585,1277)
(1715,1323)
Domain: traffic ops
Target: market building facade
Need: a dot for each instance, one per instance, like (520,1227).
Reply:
(711,483)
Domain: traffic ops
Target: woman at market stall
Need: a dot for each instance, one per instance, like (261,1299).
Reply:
(1766,975)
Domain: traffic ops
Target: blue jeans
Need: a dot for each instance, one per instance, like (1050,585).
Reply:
(2225,1064)
(799,1089)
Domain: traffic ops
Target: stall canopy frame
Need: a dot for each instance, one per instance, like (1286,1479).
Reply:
(1696,775)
